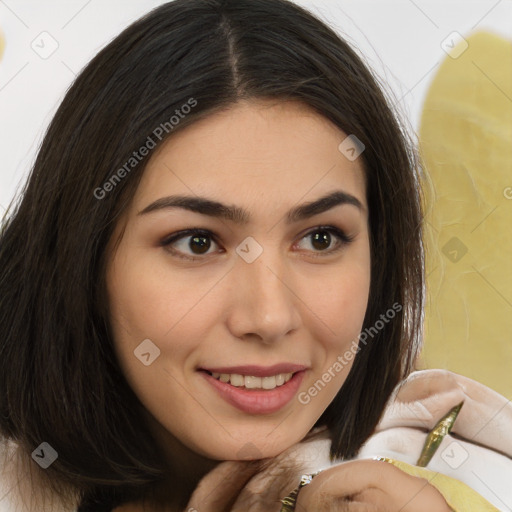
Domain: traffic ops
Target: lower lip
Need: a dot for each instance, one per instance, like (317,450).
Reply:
(258,401)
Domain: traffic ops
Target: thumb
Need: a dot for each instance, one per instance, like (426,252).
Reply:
(218,489)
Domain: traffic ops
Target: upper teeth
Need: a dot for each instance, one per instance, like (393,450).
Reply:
(251,382)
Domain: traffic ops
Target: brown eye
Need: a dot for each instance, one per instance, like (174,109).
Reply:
(326,240)
(189,243)
(321,240)
(199,244)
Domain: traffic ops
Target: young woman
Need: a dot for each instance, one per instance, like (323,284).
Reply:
(217,257)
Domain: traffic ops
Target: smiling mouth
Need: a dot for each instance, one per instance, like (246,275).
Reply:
(252,382)
(266,393)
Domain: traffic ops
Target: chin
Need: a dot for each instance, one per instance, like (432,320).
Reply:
(254,447)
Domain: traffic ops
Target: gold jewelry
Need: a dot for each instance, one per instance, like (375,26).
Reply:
(442,428)
(288,503)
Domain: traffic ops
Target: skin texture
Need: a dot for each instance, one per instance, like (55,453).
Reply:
(355,486)
(295,303)
(368,486)
(291,304)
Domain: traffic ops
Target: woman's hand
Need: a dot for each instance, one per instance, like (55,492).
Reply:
(369,486)
(259,485)
(219,489)
(238,486)
(355,486)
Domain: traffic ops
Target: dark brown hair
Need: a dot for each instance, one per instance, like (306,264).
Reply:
(60,381)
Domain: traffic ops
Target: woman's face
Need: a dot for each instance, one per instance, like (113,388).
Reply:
(210,326)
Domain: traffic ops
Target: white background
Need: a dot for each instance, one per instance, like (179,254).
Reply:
(400,40)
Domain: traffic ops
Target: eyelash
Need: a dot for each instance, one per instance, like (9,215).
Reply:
(343,240)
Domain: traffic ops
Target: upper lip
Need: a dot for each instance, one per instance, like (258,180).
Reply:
(258,371)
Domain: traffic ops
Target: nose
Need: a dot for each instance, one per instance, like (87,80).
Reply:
(264,305)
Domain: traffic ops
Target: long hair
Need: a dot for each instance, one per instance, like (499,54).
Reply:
(60,381)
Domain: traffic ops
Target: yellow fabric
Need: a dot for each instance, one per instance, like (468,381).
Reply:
(2,44)
(466,144)
(458,495)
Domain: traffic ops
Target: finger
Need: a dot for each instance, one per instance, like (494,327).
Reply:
(409,493)
(372,484)
(333,489)
(399,490)
(362,502)
(217,491)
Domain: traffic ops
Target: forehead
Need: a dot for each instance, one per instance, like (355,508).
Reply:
(265,149)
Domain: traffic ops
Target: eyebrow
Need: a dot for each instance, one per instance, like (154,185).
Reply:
(241,216)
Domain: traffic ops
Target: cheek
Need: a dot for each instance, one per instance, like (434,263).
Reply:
(342,297)
(147,301)
(142,307)
(340,305)
(170,307)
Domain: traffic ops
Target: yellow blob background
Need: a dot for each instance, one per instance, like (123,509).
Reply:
(466,146)
(2,43)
